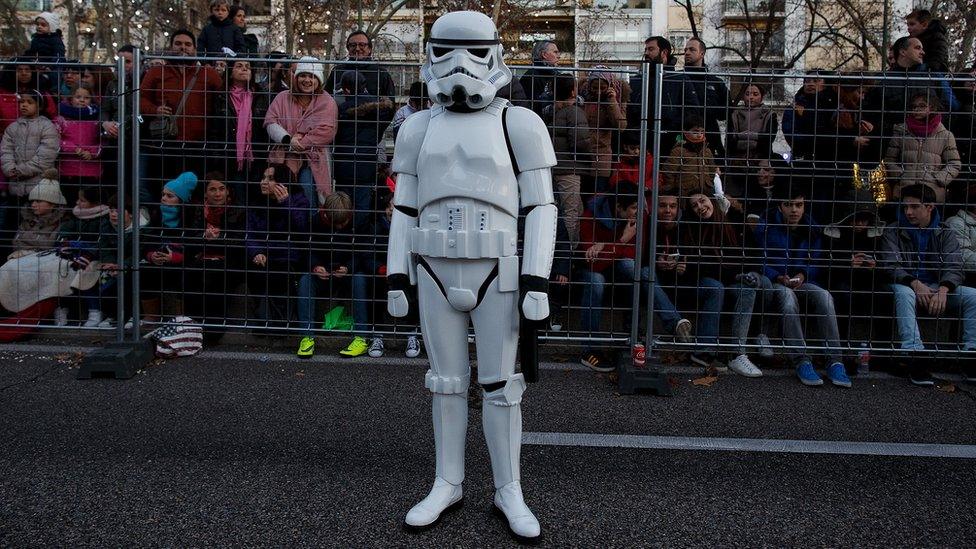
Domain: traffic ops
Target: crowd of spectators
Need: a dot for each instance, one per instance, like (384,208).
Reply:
(266,186)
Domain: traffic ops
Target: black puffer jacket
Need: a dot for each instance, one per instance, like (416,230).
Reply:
(220,34)
(935,43)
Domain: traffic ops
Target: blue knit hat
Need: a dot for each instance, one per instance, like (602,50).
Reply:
(183,186)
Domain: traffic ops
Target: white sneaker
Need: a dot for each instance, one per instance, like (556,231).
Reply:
(413,347)
(94,318)
(765,347)
(682,331)
(128,324)
(376,347)
(744,367)
(61,316)
(107,324)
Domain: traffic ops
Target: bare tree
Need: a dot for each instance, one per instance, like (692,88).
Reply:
(15,39)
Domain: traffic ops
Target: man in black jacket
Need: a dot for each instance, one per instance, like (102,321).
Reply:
(378,79)
(705,95)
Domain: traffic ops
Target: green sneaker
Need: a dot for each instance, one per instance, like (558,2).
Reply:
(357,347)
(306,348)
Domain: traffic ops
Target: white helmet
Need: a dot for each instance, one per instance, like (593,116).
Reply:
(464,61)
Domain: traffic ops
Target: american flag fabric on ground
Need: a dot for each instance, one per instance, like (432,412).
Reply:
(180,337)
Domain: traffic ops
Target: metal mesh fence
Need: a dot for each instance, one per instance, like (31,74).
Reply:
(255,196)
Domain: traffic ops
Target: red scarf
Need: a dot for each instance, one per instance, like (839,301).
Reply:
(923,129)
(214,215)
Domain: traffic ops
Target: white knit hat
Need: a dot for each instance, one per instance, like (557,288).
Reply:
(48,190)
(312,66)
(52,19)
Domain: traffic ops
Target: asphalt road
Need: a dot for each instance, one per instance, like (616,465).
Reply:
(224,450)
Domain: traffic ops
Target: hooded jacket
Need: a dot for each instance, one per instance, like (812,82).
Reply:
(790,250)
(928,254)
(31,146)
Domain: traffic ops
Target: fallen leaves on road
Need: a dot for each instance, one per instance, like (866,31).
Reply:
(69,359)
(300,374)
(705,381)
(947,388)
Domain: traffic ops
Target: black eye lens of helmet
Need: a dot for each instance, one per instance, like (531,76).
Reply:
(441,52)
(479,52)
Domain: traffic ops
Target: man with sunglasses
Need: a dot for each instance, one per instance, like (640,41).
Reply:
(378,79)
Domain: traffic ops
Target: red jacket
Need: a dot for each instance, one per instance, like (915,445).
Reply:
(595,231)
(164,86)
(624,171)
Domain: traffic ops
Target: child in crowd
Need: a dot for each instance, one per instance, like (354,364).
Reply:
(47,42)
(214,252)
(81,233)
(29,146)
(220,34)
(41,219)
(333,271)
(112,264)
(605,117)
(690,166)
(574,148)
(417,102)
(922,150)
(80,142)
(752,130)
(628,167)
(164,247)
(276,241)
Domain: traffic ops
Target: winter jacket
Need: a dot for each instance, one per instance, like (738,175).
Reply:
(538,83)
(228,246)
(751,133)
(37,233)
(84,134)
(707,96)
(790,251)
(48,47)
(932,160)
(842,244)
(964,225)
(9,108)
(164,86)
(605,121)
(887,103)
(720,248)
(222,129)
(160,238)
(279,231)
(31,146)
(929,254)
(689,170)
(935,43)
(85,230)
(570,138)
(628,169)
(332,248)
(806,122)
(218,34)
(362,121)
(595,229)
(317,122)
(378,79)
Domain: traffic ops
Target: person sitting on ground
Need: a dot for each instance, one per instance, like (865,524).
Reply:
(922,150)
(89,221)
(925,266)
(41,218)
(670,265)
(721,252)
(333,271)
(792,245)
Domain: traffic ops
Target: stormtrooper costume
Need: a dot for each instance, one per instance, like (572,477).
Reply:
(465,169)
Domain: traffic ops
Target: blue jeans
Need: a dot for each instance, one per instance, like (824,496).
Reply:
(744,298)
(960,302)
(711,295)
(623,271)
(307,182)
(311,286)
(818,306)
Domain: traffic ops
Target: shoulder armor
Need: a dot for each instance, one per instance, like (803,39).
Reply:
(408,142)
(529,139)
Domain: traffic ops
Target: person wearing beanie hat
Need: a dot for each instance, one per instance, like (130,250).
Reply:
(304,120)
(183,186)
(47,43)
(163,247)
(41,218)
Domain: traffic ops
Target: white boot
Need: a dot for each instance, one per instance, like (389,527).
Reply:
(450,415)
(502,418)
(61,316)
(94,318)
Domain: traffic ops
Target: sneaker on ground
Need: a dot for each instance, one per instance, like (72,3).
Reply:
(376,347)
(744,367)
(921,377)
(709,362)
(128,324)
(596,361)
(61,316)
(765,347)
(107,324)
(808,376)
(837,375)
(356,347)
(413,347)
(682,330)
(306,347)
(94,318)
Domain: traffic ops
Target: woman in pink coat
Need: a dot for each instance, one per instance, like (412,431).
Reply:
(81,145)
(304,121)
